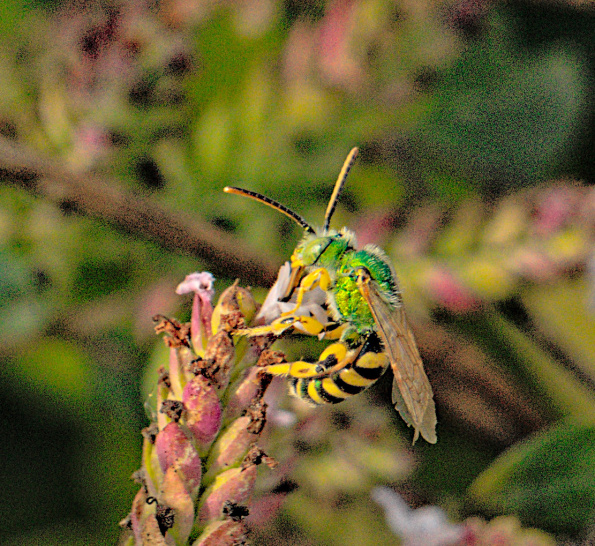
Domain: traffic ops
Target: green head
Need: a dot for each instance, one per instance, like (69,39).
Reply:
(323,250)
(318,247)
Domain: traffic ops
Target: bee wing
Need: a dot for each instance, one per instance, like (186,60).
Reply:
(412,392)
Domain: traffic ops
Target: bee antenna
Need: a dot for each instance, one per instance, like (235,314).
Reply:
(271,203)
(338,187)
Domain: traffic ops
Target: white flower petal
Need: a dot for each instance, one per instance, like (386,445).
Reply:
(198,283)
(427,525)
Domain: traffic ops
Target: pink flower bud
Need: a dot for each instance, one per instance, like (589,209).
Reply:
(139,514)
(234,485)
(533,265)
(449,292)
(203,411)
(223,532)
(231,447)
(252,384)
(202,309)
(175,450)
(554,207)
(175,495)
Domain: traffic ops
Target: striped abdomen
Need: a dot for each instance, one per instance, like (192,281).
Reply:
(349,372)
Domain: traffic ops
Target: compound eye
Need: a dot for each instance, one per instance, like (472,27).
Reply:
(317,250)
(323,244)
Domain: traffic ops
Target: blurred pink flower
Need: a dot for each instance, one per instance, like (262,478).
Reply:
(449,292)
(202,309)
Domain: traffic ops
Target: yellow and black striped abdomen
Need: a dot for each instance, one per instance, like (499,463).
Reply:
(349,372)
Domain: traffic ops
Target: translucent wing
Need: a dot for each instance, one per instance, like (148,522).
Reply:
(412,393)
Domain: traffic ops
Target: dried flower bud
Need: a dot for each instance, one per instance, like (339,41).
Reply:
(174,449)
(223,532)
(231,447)
(234,485)
(250,387)
(203,411)
(174,495)
(176,334)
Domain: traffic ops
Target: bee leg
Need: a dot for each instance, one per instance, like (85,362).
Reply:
(303,324)
(332,356)
(334,330)
(317,278)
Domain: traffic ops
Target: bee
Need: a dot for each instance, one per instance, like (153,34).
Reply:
(332,290)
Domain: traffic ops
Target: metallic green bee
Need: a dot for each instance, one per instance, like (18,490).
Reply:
(336,292)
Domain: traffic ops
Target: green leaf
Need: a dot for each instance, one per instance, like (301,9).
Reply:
(505,116)
(547,481)
(562,312)
(563,388)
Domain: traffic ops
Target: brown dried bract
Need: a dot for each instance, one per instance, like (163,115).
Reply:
(150,432)
(219,359)
(257,456)
(235,512)
(257,414)
(262,343)
(267,358)
(165,517)
(198,366)
(139,476)
(173,409)
(264,380)
(163,377)
(177,334)
(232,321)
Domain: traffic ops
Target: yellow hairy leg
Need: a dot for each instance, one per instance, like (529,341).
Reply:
(317,278)
(306,325)
(339,350)
(294,369)
(300,369)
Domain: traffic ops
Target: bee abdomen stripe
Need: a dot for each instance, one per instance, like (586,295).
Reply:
(351,387)
(314,391)
(371,365)
(370,373)
(328,391)
(331,388)
(300,389)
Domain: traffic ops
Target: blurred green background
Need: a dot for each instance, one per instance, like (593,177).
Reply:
(121,122)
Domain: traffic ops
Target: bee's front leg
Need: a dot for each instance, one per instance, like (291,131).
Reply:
(304,324)
(319,278)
